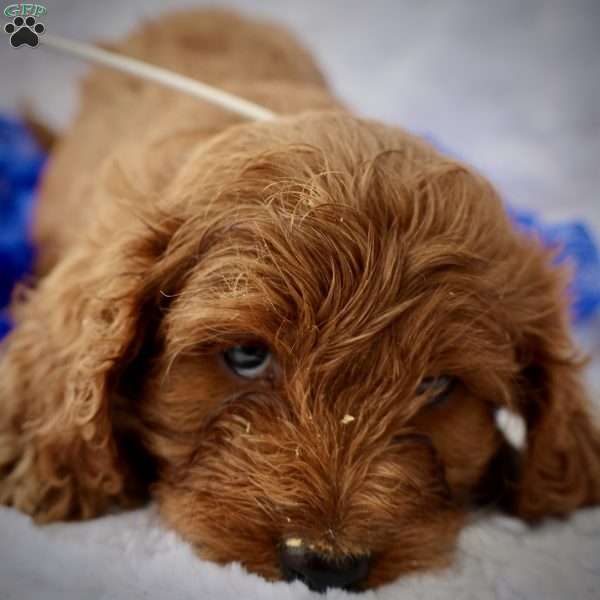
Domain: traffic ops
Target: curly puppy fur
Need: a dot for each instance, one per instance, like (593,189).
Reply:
(170,230)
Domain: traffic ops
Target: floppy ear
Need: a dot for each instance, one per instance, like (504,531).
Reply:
(60,367)
(560,467)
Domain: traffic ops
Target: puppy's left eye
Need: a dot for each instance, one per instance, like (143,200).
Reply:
(437,389)
(248,360)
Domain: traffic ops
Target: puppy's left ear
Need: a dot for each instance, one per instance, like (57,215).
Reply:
(560,468)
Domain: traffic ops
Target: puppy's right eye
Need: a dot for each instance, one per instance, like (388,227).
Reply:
(248,360)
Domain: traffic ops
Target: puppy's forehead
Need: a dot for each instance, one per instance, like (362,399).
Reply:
(337,283)
(333,229)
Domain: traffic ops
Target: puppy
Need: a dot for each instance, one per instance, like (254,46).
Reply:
(294,334)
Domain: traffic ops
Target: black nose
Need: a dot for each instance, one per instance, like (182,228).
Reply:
(319,572)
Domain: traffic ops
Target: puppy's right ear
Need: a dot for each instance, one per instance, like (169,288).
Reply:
(59,369)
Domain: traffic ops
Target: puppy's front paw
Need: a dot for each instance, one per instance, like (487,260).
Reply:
(19,487)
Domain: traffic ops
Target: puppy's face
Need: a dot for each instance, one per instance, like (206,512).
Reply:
(322,391)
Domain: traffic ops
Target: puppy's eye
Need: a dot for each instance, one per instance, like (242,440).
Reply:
(437,389)
(249,360)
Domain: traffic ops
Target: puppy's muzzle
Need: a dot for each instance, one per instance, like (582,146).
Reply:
(319,572)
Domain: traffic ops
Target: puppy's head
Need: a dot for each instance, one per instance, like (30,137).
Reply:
(308,338)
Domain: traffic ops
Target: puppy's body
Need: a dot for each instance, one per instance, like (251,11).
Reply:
(125,114)
(399,307)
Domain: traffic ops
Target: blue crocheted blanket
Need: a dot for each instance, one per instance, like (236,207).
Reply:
(21,162)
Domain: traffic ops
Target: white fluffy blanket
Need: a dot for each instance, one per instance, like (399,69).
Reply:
(130,557)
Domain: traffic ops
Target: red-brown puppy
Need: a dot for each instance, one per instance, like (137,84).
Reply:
(294,333)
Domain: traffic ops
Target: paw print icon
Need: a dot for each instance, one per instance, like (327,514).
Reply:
(24,31)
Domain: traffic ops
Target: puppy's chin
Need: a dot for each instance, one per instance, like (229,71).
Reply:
(267,471)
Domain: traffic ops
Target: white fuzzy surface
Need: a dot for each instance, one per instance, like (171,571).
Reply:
(509,86)
(130,557)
